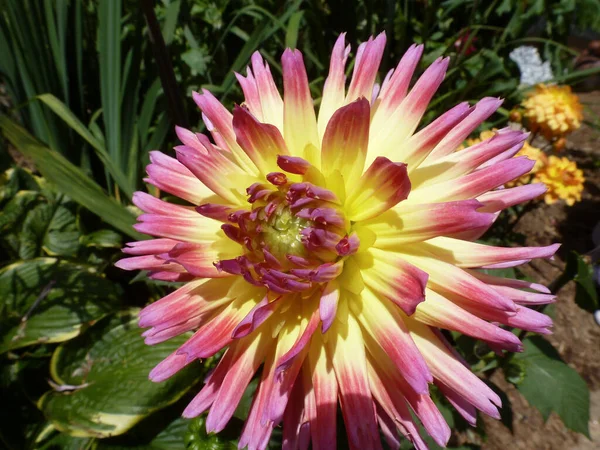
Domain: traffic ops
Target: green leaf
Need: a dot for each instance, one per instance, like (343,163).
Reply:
(69,179)
(551,385)
(581,271)
(102,239)
(291,34)
(72,121)
(46,300)
(103,376)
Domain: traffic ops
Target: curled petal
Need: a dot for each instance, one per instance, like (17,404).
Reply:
(382,186)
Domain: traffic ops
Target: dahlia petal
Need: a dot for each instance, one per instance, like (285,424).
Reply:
(390,398)
(303,339)
(281,387)
(163,333)
(270,99)
(149,247)
(414,150)
(347,353)
(383,185)
(197,259)
(186,301)
(189,139)
(168,367)
(394,91)
(471,254)
(403,122)
(299,121)
(205,398)
(473,184)
(216,334)
(221,175)
(194,229)
(386,326)
(256,433)
(221,124)
(345,141)
(449,278)
(150,204)
(523,297)
(524,318)
(256,317)
(251,95)
(171,176)
(388,429)
(365,68)
(147,262)
(509,282)
(440,312)
(328,304)
(246,359)
(466,160)
(500,199)
(393,278)
(452,373)
(335,84)
(261,142)
(464,408)
(325,389)
(410,223)
(292,418)
(482,110)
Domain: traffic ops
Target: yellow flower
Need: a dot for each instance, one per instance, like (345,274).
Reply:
(534,154)
(563,179)
(553,111)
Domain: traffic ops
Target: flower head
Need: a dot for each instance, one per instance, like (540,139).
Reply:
(330,249)
(563,179)
(553,111)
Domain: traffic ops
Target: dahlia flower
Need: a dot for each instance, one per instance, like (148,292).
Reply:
(563,180)
(535,154)
(331,249)
(552,110)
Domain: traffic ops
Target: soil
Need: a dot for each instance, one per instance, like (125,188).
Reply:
(576,334)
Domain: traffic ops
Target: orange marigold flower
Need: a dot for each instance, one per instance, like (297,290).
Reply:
(535,154)
(563,180)
(552,110)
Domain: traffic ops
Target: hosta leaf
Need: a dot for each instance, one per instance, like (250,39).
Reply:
(103,379)
(551,385)
(170,437)
(47,300)
(102,239)
(52,227)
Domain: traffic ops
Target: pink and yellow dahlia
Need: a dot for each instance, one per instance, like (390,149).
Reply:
(331,249)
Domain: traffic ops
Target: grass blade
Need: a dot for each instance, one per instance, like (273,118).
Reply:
(72,121)
(69,179)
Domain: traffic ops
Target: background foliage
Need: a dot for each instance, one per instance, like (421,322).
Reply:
(88,90)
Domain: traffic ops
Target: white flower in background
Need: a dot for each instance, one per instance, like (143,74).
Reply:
(533,69)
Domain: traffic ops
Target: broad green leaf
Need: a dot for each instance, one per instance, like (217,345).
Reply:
(46,300)
(171,437)
(551,385)
(103,376)
(102,239)
(69,179)
(51,226)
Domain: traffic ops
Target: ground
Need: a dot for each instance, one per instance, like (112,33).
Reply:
(576,334)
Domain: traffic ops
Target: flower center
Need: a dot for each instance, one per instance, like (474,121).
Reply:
(282,234)
(294,237)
